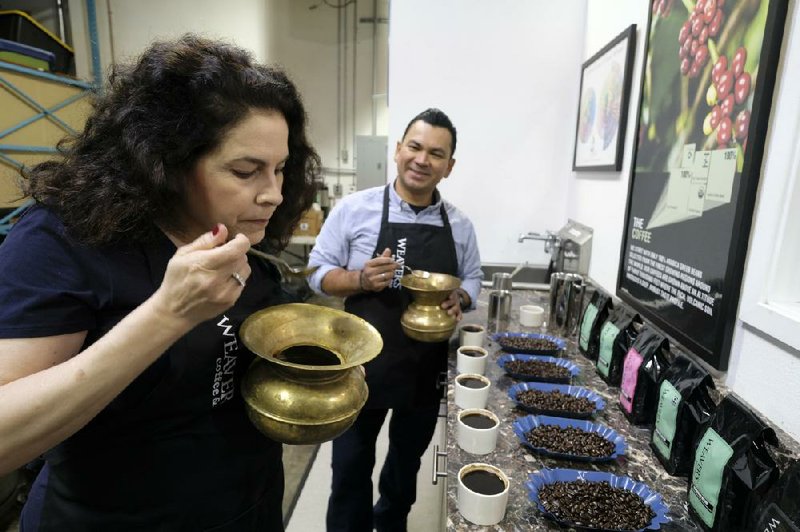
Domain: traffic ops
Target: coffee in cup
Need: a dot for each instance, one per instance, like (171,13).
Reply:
(482,494)
(471,359)
(477,430)
(471,390)
(471,334)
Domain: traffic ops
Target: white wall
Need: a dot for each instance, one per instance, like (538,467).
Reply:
(507,74)
(598,199)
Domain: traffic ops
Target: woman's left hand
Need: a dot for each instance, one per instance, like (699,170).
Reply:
(453,305)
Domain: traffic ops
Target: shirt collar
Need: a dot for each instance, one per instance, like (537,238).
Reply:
(395,198)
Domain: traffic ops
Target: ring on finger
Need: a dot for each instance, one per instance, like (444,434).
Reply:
(238,278)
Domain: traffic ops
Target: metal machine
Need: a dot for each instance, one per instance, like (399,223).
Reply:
(570,248)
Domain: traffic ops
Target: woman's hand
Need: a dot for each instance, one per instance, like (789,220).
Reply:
(199,282)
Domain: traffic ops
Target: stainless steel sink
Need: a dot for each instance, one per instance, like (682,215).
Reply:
(532,277)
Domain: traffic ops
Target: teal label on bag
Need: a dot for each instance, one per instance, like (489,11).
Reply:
(666,418)
(608,334)
(774,520)
(586,325)
(710,458)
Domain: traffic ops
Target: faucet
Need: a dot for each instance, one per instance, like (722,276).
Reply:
(551,240)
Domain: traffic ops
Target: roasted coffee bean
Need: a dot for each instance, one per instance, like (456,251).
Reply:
(595,505)
(556,401)
(536,368)
(569,440)
(471,353)
(525,342)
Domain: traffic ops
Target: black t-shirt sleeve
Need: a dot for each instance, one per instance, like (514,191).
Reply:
(49,284)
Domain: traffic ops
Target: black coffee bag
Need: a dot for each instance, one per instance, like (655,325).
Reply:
(732,467)
(780,509)
(616,337)
(594,315)
(645,364)
(684,406)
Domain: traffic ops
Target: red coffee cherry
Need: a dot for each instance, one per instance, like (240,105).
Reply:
(724,132)
(739,58)
(726,105)
(716,24)
(709,10)
(716,115)
(724,84)
(742,88)
(742,124)
(719,67)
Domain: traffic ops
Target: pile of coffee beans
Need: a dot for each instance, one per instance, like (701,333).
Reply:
(595,505)
(569,440)
(511,343)
(556,401)
(536,368)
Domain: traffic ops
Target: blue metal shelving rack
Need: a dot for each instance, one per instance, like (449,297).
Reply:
(7,151)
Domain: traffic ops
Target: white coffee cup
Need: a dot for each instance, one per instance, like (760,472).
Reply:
(477,502)
(472,334)
(471,359)
(476,431)
(531,315)
(471,390)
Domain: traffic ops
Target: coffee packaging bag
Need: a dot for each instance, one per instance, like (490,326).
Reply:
(780,509)
(594,315)
(732,468)
(645,364)
(616,337)
(684,405)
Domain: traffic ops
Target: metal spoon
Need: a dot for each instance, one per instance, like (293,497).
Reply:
(417,273)
(284,268)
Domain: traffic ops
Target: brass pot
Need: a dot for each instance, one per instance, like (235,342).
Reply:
(424,319)
(308,386)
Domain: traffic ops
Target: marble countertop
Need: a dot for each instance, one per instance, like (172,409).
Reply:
(517,462)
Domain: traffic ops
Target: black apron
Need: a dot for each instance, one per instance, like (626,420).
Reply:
(175,450)
(407,372)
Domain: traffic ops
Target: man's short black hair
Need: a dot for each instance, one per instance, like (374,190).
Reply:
(437,118)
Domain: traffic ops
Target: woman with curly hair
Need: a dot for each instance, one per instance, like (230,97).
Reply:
(123,289)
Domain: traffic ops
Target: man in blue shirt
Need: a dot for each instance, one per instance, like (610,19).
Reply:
(361,250)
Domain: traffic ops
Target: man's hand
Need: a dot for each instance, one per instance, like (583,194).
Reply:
(378,273)
(453,304)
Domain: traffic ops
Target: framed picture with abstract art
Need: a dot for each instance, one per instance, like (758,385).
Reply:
(603,105)
(707,87)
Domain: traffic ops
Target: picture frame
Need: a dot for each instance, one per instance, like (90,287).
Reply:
(701,128)
(603,105)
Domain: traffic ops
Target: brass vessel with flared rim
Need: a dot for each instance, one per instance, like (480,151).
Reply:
(424,319)
(308,384)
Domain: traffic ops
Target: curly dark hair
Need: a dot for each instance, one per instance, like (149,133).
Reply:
(126,173)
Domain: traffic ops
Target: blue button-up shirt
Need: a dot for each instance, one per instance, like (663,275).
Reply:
(350,233)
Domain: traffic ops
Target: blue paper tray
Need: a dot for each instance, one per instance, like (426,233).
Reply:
(546,476)
(562,362)
(560,342)
(526,424)
(575,391)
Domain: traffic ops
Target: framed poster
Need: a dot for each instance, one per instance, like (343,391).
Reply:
(707,90)
(603,105)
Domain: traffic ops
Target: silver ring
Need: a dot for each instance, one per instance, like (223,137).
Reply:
(238,278)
